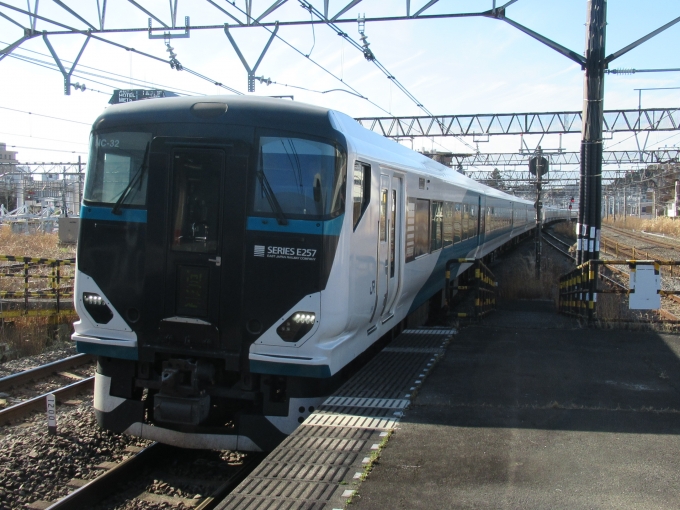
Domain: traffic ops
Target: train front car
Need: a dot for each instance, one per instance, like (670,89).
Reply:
(207,225)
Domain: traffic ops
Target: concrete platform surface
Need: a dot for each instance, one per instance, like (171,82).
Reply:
(527,410)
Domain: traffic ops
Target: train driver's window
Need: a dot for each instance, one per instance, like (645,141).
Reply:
(361,190)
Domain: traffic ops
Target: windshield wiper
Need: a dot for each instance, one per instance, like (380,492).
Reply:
(270,196)
(134,181)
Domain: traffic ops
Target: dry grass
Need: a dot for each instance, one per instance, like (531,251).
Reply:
(662,225)
(566,229)
(33,245)
(518,279)
(27,336)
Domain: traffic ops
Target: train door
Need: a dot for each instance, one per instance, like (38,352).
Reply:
(389,243)
(193,264)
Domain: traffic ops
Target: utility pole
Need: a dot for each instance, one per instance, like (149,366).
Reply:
(64,207)
(539,206)
(590,185)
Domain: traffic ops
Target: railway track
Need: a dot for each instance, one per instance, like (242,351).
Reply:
(160,474)
(63,384)
(634,245)
(654,249)
(558,244)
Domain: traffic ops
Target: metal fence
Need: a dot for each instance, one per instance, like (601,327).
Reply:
(483,286)
(35,286)
(579,288)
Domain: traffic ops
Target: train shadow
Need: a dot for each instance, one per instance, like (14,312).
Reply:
(528,367)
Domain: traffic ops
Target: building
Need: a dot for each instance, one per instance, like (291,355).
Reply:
(7,156)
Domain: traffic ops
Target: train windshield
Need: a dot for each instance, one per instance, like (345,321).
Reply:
(116,168)
(299,178)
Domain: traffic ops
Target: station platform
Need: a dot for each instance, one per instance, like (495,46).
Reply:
(524,410)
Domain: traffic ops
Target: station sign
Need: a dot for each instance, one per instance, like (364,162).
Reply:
(129,95)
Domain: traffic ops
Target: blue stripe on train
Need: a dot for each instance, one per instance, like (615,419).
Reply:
(290,369)
(328,227)
(88,212)
(109,351)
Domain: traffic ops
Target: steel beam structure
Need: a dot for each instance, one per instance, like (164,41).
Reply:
(521,178)
(649,157)
(651,119)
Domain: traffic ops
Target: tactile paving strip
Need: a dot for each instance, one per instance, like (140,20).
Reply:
(321,464)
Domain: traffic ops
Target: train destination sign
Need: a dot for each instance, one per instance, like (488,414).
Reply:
(129,95)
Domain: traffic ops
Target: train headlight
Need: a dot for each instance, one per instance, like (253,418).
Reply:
(296,326)
(97,307)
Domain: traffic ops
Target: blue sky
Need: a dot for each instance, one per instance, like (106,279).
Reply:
(467,65)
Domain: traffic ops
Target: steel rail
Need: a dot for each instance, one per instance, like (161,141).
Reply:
(554,246)
(104,485)
(562,242)
(44,371)
(38,403)
(231,483)
(93,492)
(636,235)
(665,314)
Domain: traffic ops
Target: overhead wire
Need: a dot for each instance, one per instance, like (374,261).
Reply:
(123,77)
(46,116)
(85,75)
(313,61)
(42,149)
(42,138)
(354,90)
(368,54)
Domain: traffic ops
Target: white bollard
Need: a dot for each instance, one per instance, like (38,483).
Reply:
(51,414)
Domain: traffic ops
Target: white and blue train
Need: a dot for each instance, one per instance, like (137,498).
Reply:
(236,255)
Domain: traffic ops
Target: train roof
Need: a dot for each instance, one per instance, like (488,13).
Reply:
(256,111)
(244,110)
(390,152)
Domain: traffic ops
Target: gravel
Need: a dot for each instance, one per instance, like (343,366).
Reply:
(19,365)
(36,466)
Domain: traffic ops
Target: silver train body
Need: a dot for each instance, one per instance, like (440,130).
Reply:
(237,255)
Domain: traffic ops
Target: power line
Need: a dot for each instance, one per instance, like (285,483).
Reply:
(124,79)
(254,21)
(41,149)
(41,138)
(368,54)
(46,116)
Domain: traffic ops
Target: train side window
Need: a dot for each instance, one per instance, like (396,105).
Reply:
(466,217)
(448,224)
(417,228)
(410,229)
(457,223)
(437,215)
(383,212)
(472,222)
(361,190)
(422,227)
(393,228)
